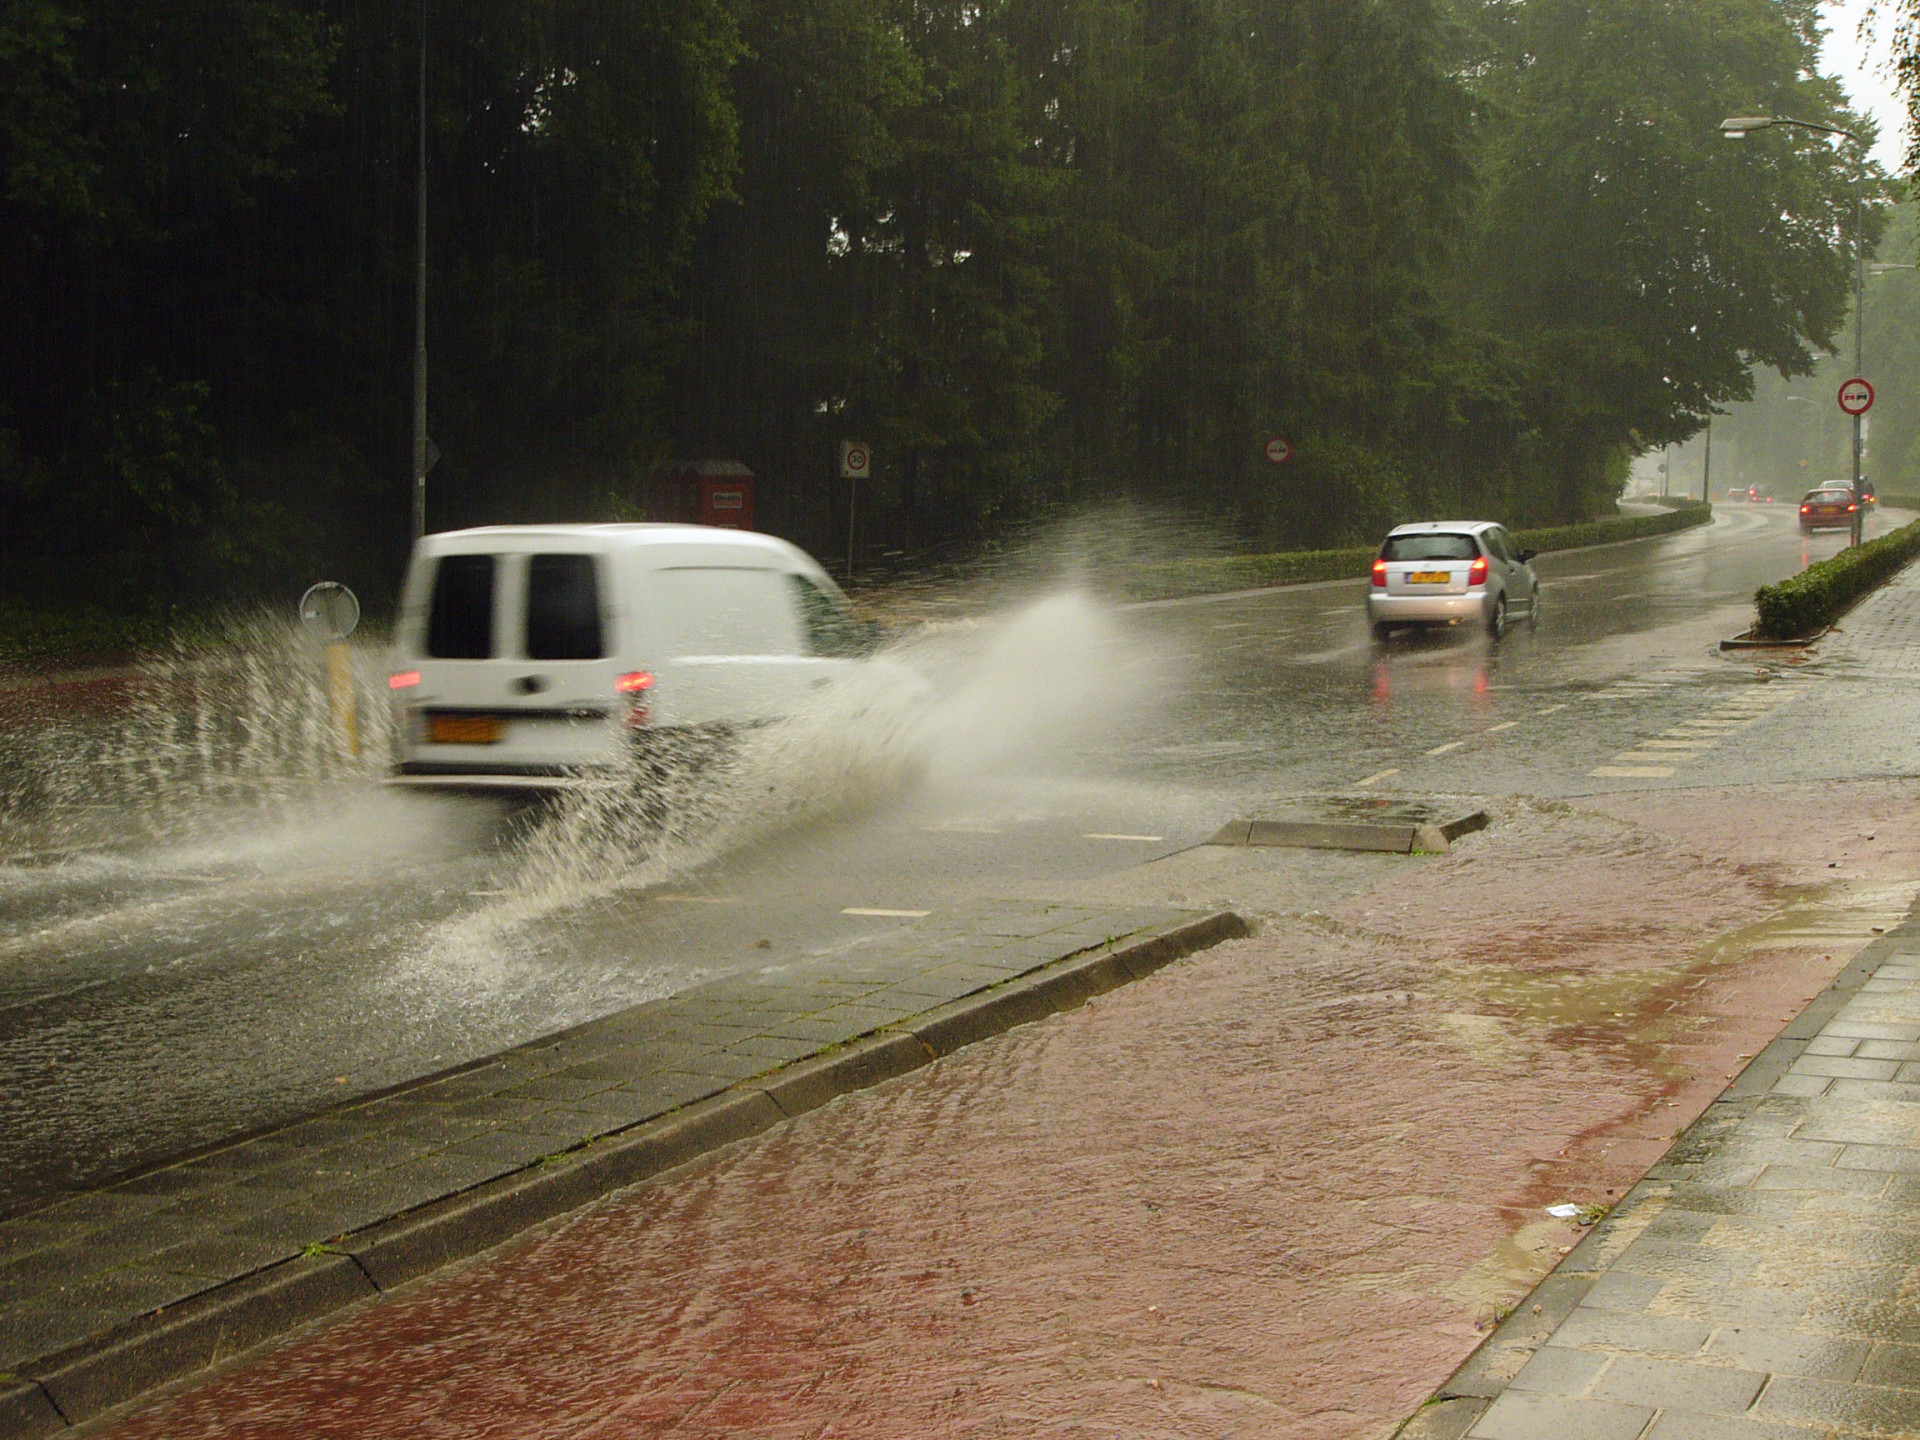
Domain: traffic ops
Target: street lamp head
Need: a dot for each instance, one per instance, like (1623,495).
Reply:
(1738,127)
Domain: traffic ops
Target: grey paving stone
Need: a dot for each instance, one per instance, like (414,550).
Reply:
(1857,1126)
(217,1255)
(1668,1384)
(1818,1402)
(1627,1290)
(1519,1416)
(562,1085)
(1896,1366)
(1817,1178)
(1808,1086)
(1870,1030)
(27,1235)
(1886,1050)
(32,1331)
(822,1031)
(1843,1067)
(134,1292)
(1842,1045)
(1558,1370)
(505,1148)
(1639,1334)
(1886,1159)
(1789,1352)
(780,1049)
(1681,1425)
(670,1090)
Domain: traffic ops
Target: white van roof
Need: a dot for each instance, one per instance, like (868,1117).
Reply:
(611,537)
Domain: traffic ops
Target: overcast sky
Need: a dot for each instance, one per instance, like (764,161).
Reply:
(1862,68)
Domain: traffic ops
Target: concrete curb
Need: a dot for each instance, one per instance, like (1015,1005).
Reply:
(78,1385)
(1482,1377)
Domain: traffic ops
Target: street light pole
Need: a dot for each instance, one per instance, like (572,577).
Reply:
(420,305)
(1738,127)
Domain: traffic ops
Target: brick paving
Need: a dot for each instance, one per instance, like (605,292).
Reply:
(78,1270)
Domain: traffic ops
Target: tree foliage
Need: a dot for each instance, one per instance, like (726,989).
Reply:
(1464,254)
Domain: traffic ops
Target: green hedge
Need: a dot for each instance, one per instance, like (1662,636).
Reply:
(1820,594)
(1299,567)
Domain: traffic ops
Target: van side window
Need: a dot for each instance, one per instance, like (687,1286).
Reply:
(563,608)
(830,628)
(728,611)
(460,619)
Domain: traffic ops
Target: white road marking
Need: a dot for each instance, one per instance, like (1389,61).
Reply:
(1496,729)
(1677,744)
(1631,772)
(1376,777)
(1443,749)
(887,914)
(1091,835)
(1551,709)
(1635,757)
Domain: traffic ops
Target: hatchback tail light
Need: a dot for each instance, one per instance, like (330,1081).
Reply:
(1477,572)
(635,684)
(1380,572)
(405,680)
(1806,509)
(1851,507)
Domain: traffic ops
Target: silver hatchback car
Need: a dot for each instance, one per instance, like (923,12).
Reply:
(1449,572)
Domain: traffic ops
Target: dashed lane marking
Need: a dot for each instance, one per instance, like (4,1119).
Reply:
(1495,729)
(1376,777)
(1631,772)
(1550,710)
(886,914)
(1443,749)
(1094,835)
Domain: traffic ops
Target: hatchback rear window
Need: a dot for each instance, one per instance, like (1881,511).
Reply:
(563,608)
(460,620)
(1430,547)
(1830,497)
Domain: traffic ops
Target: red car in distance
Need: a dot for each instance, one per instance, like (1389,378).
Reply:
(1830,507)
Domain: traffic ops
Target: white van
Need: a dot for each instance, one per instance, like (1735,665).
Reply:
(539,650)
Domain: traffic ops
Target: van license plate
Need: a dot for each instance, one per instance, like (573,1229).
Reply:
(465,729)
(1429,577)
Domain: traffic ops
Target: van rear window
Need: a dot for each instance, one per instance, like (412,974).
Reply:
(563,608)
(460,622)
(1430,547)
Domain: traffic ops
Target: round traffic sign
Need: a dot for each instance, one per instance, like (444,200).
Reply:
(1279,451)
(1856,397)
(330,610)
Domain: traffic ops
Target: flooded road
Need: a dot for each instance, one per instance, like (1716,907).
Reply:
(241,958)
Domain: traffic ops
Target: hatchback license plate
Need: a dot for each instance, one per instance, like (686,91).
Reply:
(1428,577)
(465,729)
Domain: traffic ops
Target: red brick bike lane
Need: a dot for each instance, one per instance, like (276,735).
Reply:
(1278,1189)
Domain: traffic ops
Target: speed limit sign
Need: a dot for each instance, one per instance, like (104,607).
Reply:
(1856,397)
(856,460)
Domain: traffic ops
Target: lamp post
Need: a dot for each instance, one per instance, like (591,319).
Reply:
(1738,127)
(420,465)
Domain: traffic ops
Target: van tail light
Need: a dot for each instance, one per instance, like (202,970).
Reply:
(1477,572)
(635,687)
(1380,572)
(405,680)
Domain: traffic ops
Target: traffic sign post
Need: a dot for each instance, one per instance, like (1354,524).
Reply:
(1279,451)
(331,612)
(856,462)
(1856,398)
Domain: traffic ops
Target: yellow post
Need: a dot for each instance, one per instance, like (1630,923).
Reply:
(340,702)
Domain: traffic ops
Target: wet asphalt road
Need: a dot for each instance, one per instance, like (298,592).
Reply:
(160,998)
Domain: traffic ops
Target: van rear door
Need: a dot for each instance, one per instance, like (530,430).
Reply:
(515,665)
